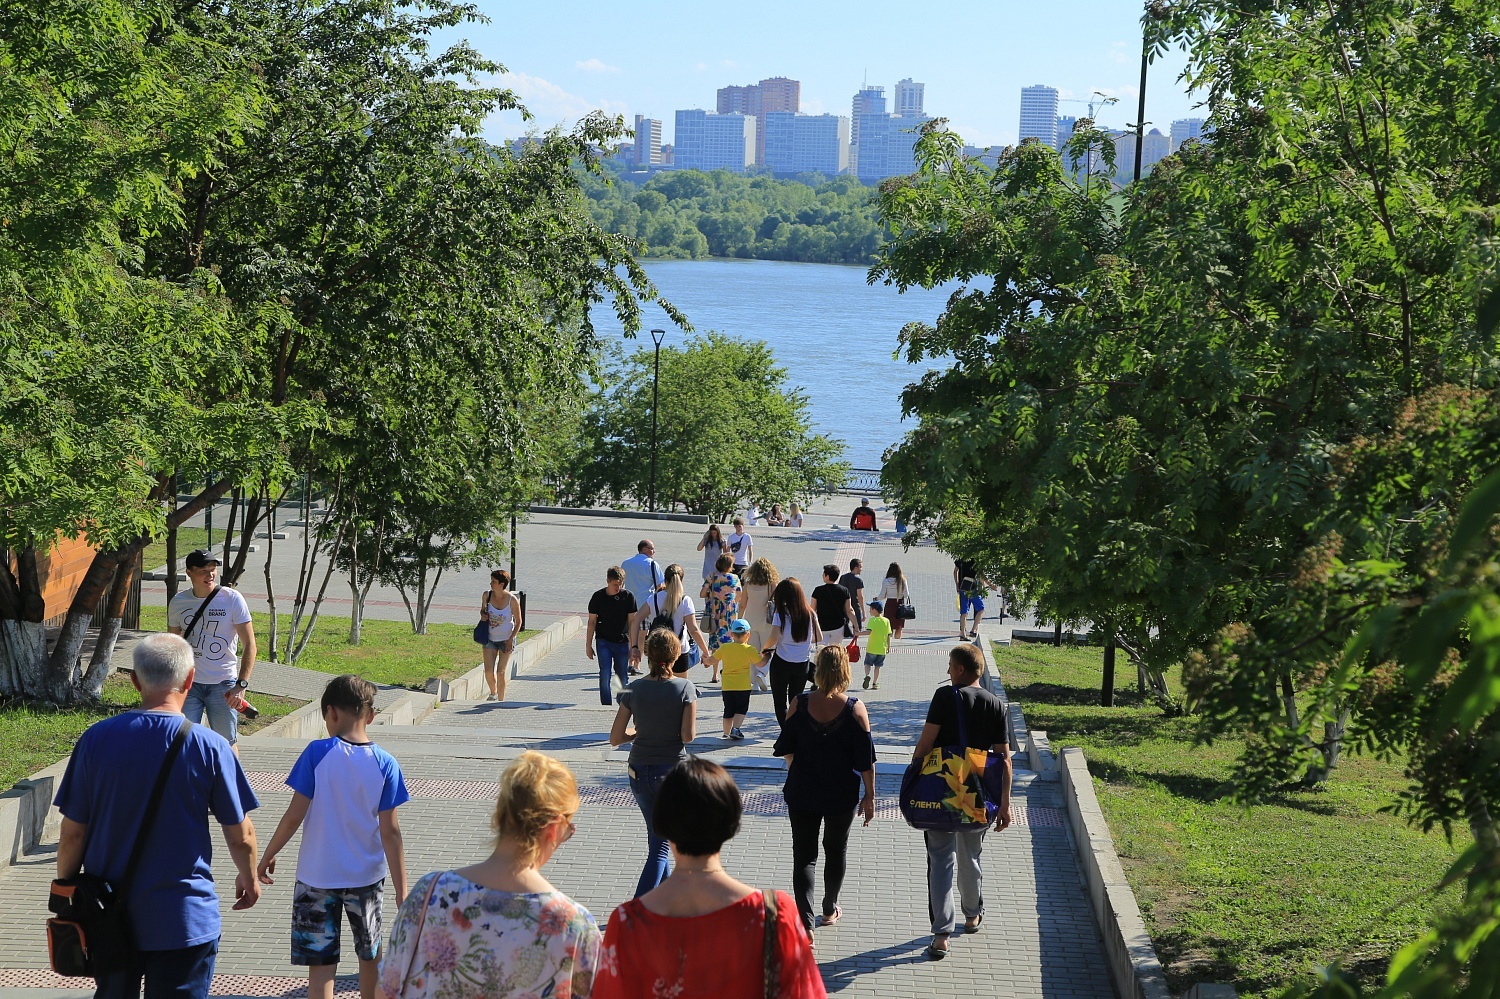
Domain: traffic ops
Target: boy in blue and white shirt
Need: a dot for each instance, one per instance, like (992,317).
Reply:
(348,790)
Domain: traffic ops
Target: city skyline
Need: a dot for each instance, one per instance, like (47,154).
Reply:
(567,58)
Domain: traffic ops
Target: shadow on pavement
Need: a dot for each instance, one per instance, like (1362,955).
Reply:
(839,975)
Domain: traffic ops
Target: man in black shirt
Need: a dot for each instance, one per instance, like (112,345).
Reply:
(971,586)
(831,602)
(610,612)
(855,584)
(949,852)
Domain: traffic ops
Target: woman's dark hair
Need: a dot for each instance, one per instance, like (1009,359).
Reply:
(791,604)
(697,807)
(724,563)
(502,577)
(713,533)
(893,571)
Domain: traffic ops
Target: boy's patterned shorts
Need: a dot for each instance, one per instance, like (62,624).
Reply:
(315,922)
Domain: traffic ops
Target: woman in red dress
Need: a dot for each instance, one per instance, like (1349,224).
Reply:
(701,933)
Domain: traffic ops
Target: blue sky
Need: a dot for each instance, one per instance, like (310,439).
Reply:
(566,57)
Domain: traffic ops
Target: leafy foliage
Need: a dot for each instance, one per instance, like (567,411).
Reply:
(692,214)
(1233,415)
(729,430)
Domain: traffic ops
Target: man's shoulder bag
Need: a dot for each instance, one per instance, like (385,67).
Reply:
(953,788)
(187,633)
(90,935)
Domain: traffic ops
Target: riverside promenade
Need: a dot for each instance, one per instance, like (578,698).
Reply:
(1038,937)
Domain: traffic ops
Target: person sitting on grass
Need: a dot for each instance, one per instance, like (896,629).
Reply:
(348,790)
(736,658)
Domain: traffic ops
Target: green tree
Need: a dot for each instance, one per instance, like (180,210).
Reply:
(729,430)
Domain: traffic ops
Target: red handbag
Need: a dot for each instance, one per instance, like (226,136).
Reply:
(853,650)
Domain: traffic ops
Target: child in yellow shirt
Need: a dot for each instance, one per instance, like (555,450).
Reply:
(735,659)
(878,627)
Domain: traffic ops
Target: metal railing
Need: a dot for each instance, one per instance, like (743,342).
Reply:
(861,482)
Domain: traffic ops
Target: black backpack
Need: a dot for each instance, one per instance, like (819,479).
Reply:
(660,620)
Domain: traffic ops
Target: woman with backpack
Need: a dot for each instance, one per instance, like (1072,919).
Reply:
(672,609)
(895,594)
(794,631)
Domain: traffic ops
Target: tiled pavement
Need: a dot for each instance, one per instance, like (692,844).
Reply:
(1038,937)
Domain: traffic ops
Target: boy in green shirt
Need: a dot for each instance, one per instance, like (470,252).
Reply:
(736,659)
(878,627)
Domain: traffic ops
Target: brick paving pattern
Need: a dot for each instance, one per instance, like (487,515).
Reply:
(1038,937)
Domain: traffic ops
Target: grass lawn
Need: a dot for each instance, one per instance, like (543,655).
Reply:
(188,538)
(34,737)
(1260,897)
(388,651)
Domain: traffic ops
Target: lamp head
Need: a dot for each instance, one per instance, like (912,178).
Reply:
(657,335)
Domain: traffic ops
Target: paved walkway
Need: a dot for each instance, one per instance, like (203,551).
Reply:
(1038,938)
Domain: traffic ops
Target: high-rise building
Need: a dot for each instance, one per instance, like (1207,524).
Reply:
(909,98)
(707,141)
(806,143)
(1184,129)
(1039,114)
(1154,149)
(885,146)
(647,141)
(867,101)
(776,93)
(1065,126)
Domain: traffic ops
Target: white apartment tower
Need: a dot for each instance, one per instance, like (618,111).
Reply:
(868,101)
(707,141)
(1039,114)
(1184,129)
(647,141)
(909,98)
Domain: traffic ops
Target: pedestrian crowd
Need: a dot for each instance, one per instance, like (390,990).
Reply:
(498,927)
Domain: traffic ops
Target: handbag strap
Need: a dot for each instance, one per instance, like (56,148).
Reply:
(153,804)
(963,729)
(416,939)
(771,959)
(201,608)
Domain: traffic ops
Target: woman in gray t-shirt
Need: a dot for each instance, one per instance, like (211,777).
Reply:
(665,711)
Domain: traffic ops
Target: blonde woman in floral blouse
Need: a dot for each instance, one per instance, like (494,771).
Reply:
(498,928)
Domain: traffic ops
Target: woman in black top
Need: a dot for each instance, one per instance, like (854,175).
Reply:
(830,754)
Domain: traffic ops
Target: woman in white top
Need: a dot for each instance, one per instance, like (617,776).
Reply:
(671,602)
(894,592)
(794,632)
(500,915)
(794,518)
(502,609)
(759,581)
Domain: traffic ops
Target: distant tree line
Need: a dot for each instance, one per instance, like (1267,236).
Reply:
(689,214)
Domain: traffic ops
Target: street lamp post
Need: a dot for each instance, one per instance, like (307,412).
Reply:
(656,337)
(1140,114)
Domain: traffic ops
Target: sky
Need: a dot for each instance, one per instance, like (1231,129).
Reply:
(565,58)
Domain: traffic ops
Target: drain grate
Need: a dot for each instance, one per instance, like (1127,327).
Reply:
(267,986)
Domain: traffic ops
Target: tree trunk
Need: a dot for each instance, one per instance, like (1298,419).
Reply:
(234,508)
(250,520)
(1107,688)
(102,662)
(1289,700)
(23,640)
(270,583)
(172,542)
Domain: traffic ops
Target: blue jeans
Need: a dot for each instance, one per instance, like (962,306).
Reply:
(184,973)
(645,781)
(612,656)
(208,698)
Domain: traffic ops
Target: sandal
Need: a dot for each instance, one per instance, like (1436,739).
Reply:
(936,953)
(829,920)
(974,926)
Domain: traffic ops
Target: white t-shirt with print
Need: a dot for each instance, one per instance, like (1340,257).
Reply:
(739,547)
(215,642)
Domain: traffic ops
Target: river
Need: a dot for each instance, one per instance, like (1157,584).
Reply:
(832,332)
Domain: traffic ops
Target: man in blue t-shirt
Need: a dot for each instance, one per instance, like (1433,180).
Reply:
(173,908)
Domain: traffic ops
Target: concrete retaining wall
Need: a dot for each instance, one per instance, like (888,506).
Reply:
(1133,964)
(27,816)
